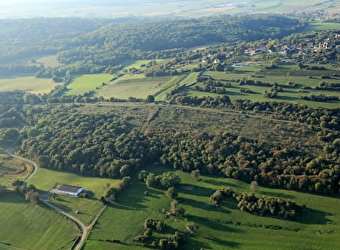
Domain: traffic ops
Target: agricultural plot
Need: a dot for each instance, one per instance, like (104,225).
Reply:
(137,86)
(305,82)
(28,226)
(29,84)
(87,83)
(45,179)
(223,227)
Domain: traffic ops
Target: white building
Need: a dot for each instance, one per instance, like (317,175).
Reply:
(68,190)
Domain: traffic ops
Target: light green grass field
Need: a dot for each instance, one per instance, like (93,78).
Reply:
(27,226)
(29,84)
(137,86)
(46,179)
(281,76)
(49,61)
(86,83)
(223,227)
(322,26)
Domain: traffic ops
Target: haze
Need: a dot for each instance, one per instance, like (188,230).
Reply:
(105,8)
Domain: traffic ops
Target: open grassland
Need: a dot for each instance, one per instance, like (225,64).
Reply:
(46,179)
(223,227)
(282,76)
(137,86)
(49,61)
(86,83)
(12,169)
(29,84)
(138,64)
(322,26)
(27,226)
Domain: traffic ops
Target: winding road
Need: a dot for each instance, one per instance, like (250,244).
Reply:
(44,198)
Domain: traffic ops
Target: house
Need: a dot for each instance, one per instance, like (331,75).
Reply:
(216,61)
(68,190)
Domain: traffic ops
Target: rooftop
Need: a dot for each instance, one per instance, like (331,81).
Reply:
(67,188)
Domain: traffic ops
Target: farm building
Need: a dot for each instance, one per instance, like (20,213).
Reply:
(68,190)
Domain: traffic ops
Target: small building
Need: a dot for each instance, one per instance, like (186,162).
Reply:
(68,190)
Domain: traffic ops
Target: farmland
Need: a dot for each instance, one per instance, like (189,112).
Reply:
(86,83)
(28,226)
(29,84)
(133,86)
(221,227)
(45,179)
(156,116)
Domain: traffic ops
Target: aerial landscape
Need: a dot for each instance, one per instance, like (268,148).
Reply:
(181,124)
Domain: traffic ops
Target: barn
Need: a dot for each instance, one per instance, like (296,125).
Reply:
(68,190)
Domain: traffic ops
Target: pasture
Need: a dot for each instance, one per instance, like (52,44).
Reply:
(282,76)
(45,179)
(137,86)
(223,227)
(85,83)
(29,84)
(28,226)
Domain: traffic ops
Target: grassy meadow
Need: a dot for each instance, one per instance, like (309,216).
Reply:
(29,84)
(138,86)
(283,75)
(86,83)
(27,226)
(223,227)
(46,179)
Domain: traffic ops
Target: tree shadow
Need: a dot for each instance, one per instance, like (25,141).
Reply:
(202,205)
(311,216)
(224,243)
(220,183)
(211,224)
(276,194)
(195,190)
(12,197)
(195,244)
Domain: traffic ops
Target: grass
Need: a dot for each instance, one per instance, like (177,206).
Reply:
(49,61)
(137,86)
(27,226)
(322,26)
(86,83)
(282,75)
(223,227)
(29,84)
(12,169)
(45,179)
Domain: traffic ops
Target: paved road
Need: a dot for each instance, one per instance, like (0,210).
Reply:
(43,198)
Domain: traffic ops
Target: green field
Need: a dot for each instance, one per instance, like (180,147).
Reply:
(29,84)
(86,83)
(27,226)
(283,75)
(223,227)
(322,26)
(137,86)
(46,179)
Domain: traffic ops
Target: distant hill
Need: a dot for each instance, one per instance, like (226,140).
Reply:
(160,8)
